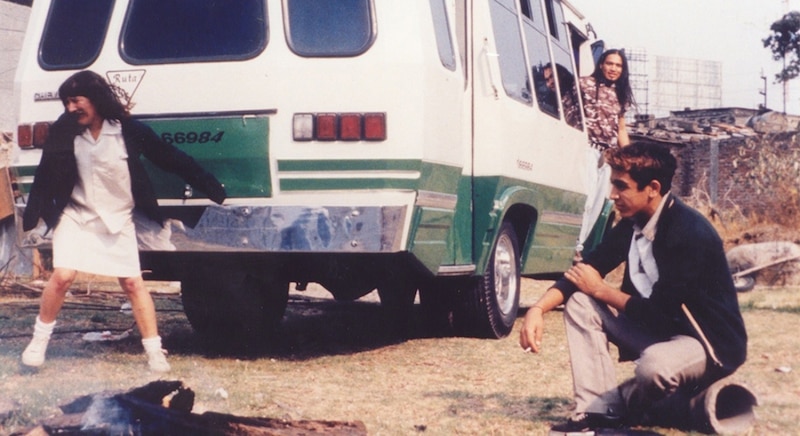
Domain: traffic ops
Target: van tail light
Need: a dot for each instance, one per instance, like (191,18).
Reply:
(25,136)
(303,127)
(375,127)
(326,127)
(30,136)
(350,127)
(339,126)
(40,133)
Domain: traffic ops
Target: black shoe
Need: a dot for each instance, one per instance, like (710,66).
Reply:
(585,424)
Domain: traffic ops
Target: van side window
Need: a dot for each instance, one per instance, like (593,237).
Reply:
(513,71)
(563,55)
(74,33)
(157,31)
(539,56)
(442,29)
(552,20)
(317,28)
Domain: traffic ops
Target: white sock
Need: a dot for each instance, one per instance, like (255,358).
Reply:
(152,345)
(43,329)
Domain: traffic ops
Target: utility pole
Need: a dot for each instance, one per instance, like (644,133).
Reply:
(785,87)
(764,91)
(785,83)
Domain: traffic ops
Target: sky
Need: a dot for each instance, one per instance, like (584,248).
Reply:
(728,31)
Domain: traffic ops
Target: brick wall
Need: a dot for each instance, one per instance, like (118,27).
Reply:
(723,177)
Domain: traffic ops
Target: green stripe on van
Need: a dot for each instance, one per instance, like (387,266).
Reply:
(348,184)
(357,174)
(348,165)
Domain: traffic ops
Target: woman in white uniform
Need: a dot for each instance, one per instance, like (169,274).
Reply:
(87,186)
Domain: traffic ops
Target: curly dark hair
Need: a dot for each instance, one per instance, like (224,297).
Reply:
(104,97)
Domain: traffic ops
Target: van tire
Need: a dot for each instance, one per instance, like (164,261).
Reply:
(234,313)
(490,305)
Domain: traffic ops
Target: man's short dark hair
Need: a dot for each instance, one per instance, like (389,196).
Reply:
(644,162)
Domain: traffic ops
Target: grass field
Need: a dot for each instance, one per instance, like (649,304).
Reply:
(333,362)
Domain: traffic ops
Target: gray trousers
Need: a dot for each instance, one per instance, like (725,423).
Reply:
(662,368)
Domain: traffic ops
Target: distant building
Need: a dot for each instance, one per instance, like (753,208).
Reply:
(13,21)
(670,84)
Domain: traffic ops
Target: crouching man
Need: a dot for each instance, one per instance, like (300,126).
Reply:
(676,314)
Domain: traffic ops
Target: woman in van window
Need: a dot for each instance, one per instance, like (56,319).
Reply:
(606,95)
(89,183)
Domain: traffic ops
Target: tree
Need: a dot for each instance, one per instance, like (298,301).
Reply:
(784,43)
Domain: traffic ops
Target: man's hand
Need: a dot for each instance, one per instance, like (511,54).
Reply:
(589,281)
(586,278)
(530,336)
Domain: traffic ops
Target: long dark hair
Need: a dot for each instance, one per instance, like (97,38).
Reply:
(103,96)
(623,84)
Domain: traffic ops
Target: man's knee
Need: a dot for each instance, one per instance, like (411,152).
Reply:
(579,303)
(581,308)
(654,376)
(663,367)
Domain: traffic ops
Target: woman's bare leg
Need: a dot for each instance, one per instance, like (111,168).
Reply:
(54,293)
(144,312)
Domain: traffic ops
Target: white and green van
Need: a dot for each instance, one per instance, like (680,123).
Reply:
(397,145)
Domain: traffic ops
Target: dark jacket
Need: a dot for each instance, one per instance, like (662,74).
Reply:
(693,273)
(57,173)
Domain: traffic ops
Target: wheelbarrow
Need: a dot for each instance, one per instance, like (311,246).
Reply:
(744,281)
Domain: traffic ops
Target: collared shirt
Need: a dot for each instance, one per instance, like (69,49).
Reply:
(103,189)
(602,109)
(643,269)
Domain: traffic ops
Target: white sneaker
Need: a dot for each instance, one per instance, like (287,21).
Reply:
(34,352)
(157,360)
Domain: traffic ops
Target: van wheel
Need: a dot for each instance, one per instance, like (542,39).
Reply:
(234,312)
(491,303)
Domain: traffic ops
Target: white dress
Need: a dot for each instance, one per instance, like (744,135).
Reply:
(598,188)
(96,233)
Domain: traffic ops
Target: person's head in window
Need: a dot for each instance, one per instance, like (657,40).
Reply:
(612,68)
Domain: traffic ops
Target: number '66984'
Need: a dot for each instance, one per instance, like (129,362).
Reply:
(192,137)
